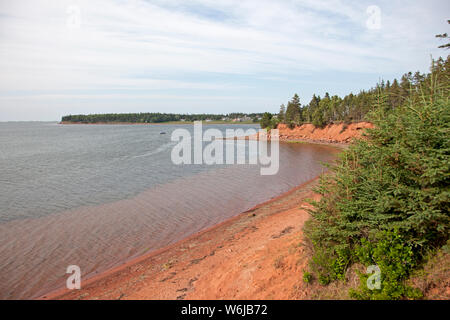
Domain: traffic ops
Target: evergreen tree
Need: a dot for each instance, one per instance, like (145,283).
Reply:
(266,120)
(282,113)
(387,201)
(308,110)
(293,111)
(355,107)
(394,95)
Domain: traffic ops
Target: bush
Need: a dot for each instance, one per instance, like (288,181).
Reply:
(307,277)
(387,200)
(266,120)
(395,260)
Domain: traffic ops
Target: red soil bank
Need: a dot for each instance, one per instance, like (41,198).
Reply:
(332,133)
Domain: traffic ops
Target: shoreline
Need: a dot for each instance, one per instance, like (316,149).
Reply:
(154,123)
(334,134)
(105,284)
(337,135)
(338,145)
(162,260)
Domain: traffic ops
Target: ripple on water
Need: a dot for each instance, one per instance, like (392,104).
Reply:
(98,211)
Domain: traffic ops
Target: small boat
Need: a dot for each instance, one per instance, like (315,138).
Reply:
(162,132)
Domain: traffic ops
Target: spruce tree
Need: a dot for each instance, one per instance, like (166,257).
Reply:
(266,120)
(282,113)
(293,111)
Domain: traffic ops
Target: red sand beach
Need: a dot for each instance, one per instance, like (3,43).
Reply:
(246,257)
(259,254)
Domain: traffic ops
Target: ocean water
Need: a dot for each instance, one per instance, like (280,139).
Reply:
(98,195)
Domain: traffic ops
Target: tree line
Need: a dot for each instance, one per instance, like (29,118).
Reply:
(157,117)
(321,111)
(386,202)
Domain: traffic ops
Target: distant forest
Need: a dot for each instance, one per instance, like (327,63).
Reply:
(159,117)
(354,107)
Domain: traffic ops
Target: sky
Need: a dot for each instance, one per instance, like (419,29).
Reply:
(204,56)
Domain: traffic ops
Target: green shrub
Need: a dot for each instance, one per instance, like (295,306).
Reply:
(395,260)
(387,199)
(266,120)
(307,277)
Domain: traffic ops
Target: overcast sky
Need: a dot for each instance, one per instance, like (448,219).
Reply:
(215,56)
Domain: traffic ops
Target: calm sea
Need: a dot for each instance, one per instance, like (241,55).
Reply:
(98,195)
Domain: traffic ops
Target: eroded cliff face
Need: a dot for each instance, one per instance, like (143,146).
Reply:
(332,133)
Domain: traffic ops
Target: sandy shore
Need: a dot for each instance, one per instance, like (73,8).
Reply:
(259,254)
(255,255)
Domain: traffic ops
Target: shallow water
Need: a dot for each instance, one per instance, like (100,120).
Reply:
(98,195)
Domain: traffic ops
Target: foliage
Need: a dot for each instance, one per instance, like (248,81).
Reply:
(387,199)
(155,117)
(444,36)
(307,277)
(395,258)
(293,111)
(358,107)
(282,113)
(268,121)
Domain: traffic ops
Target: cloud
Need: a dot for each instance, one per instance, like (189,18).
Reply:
(202,48)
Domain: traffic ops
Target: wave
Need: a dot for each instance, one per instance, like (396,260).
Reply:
(160,149)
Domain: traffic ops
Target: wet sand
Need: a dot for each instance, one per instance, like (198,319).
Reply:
(258,254)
